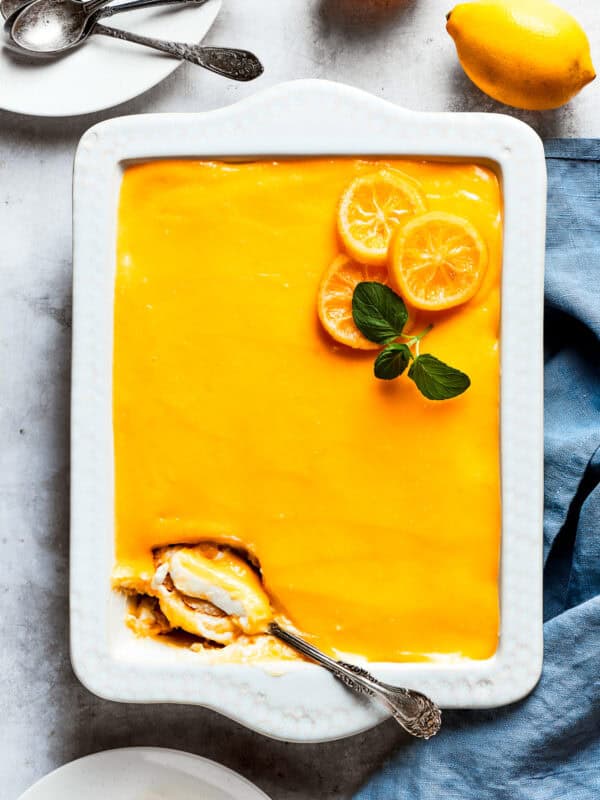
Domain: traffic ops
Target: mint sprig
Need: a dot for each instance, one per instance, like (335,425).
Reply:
(437,380)
(392,361)
(380,315)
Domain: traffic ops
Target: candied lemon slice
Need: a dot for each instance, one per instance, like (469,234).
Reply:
(370,210)
(334,302)
(437,261)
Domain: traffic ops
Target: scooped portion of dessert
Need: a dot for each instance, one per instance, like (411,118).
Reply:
(205,590)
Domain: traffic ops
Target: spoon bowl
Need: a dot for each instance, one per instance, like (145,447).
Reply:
(9,7)
(51,26)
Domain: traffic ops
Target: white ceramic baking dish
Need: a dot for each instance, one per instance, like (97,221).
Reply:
(301,702)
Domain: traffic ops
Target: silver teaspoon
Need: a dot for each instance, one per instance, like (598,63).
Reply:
(50,24)
(415,712)
(52,27)
(9,7)
(239,65)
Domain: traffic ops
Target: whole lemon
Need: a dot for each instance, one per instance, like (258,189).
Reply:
(525,53)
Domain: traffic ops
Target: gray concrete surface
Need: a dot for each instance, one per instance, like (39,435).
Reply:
(398,50)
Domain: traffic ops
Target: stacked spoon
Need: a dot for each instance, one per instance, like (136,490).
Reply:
(53,27)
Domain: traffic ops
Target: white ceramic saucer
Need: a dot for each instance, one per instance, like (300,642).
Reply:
(104,72)
(143,773)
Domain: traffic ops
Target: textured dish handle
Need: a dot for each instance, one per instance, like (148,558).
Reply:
(415,712)
(239,65)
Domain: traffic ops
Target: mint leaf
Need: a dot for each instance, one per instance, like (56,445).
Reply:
(392,361)
(436,380)
(378,312)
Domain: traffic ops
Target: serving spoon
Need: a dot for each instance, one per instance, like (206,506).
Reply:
(415,712)
(52,27)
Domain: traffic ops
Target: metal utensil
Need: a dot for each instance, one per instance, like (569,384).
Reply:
(52,27)
(9,7)
(415,712)
(52,24)
(133,5)
(239,65)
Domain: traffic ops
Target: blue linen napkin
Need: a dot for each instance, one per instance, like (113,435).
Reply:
(546,747)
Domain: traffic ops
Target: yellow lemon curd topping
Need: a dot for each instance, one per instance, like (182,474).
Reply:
(373,512)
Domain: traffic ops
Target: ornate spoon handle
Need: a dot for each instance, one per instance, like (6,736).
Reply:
(415,712)
(240,65)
